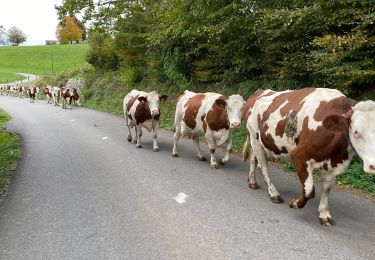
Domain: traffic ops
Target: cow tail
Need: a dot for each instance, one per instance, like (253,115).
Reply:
(246,149)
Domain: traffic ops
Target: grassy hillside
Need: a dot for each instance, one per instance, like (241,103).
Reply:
(9,77)
(38,59)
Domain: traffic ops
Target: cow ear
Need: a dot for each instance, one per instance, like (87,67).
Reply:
(163,97)
(142,99)
(336,123)
(221,102)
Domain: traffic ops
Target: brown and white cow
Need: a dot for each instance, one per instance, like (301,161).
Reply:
(141,109)
(316,128)
(69,96)
(48,92)
(31,92)
(21,91)
(210,114)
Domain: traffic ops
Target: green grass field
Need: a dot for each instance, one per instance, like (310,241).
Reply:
(9,77)
(38,59)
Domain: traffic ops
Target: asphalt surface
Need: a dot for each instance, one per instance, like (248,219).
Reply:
(81,191)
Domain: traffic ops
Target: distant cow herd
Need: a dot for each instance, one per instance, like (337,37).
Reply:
(68,96)
(316,128)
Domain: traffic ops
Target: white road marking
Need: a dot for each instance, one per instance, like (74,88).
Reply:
(105,137)
(181,197)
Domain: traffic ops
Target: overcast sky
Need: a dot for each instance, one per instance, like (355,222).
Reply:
(36,18)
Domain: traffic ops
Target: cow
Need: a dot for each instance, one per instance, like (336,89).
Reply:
(141,109)
(210,114)
(316,128)
(21,90)
(31,92)
(48,92)
(2,89)
(69,96)
(56,94)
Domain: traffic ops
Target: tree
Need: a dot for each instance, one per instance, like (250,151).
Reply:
(70,31)
(3,35)
(16,36)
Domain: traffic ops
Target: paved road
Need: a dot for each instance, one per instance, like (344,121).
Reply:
(82,192)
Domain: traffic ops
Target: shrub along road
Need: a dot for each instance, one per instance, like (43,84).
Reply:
(82,192)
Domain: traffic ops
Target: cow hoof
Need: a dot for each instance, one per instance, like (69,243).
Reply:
(222,162)
(175,155)
(296,203)
(129,139)
(277,199)
(214,166)
(156,149)
(139,146)
(253,186)
(327,222)
(202,159)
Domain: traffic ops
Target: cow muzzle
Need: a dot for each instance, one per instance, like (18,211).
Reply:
(369,168)
(155,112)
(235,125)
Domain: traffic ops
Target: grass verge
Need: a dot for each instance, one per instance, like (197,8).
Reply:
(10,153)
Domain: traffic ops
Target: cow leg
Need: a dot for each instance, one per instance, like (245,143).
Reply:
(155,146)
(262,160)
(228,148)
(305,175)
(253,165)
(328,179)
(212,145)
(198,149)
(324,215)
(129,127)
(139,135)
(176,136)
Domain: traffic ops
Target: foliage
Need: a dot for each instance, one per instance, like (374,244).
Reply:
(70,31)
(101,53)
(10,153)
(300,42)
(16,36)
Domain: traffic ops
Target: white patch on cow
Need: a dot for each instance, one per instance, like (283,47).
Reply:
(72,120)
(221,136)
(312,102)
(105,137)
(181,197)
(148,124)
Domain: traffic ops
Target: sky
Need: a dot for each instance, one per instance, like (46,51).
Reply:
(36,18)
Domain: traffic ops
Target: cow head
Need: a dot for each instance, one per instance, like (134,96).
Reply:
(234,106)
(360,124)
(153,99)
